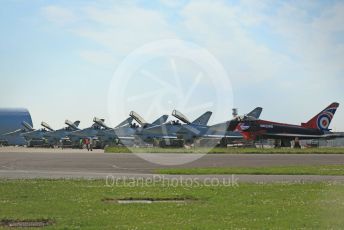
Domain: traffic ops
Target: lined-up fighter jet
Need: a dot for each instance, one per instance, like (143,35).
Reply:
(34,136)
(126,131)
(189,131)
(13,134)
(315,128)
(144,124)
(26,128)
(122,133)
(170,129)
(54,136)
(91,132)
(141,136)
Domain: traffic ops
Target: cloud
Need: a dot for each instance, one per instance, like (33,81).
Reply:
(312,39)
(122,29)
(280,47)
(98,57)
(255,41)
(58,15)
(229,37)
(171,3)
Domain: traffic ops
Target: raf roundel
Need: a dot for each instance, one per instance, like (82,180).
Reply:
(323,121)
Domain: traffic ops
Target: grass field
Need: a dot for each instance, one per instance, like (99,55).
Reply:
(119,149)
(78,205)
(276,170)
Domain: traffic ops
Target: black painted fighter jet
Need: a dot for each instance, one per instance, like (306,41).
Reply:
(315,128)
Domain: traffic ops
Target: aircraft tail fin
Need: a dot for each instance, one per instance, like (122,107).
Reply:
(255,113)
(160,120)
(323,119)
(77,123)
(125,122)
(203,119)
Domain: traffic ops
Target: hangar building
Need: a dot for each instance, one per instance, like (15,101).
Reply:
(10,120)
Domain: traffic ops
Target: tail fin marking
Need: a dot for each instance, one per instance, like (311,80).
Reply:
(323,119)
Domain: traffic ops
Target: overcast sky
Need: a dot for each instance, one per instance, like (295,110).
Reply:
(59,59)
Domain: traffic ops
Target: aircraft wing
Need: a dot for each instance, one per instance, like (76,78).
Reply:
(232,135)
(294,135)
(189,129)
(13,133)
(168,137)
(159,131)
(154,129)
(162,136)
(88,132)
(126,137)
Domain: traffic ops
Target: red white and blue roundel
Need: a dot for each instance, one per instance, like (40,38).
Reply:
(324,119)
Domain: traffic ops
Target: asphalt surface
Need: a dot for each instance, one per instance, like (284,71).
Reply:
(22,163)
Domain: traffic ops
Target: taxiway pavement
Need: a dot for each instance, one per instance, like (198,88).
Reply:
(24,163)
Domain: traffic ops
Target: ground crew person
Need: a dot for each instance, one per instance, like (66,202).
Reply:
(87,142)
(91,144)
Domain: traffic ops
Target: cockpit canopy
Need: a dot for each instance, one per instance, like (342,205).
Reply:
(138,118)
(180,116)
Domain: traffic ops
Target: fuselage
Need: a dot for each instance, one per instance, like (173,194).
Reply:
(189,132)
(34,135)
(257,129)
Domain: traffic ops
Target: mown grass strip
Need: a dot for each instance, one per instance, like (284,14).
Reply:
(280,170)
(75,204)
(120,149)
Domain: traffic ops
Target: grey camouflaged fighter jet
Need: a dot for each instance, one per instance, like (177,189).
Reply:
(144,124)
(34,137)
(54,136)
(98,132)
(220,130)
(140,137)
(26,128)
(125,132)
(91,132)
(122,133)
(169,130)
(190,131)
